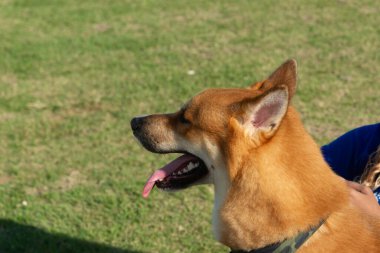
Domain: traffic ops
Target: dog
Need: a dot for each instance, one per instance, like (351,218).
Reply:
(273,190)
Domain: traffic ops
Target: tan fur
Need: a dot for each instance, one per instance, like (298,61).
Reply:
(275,180)
(291,193)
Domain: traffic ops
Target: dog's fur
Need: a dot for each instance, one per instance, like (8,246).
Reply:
(271,181)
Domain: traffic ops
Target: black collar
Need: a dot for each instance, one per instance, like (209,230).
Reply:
(290,245)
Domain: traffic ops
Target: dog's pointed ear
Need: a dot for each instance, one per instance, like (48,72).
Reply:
(286,75)
(263,116)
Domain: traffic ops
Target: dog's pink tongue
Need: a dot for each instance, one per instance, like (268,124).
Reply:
(166,171)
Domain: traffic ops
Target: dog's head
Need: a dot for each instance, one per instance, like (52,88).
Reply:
(210,124)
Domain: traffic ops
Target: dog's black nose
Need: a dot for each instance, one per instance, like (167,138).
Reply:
(136,123)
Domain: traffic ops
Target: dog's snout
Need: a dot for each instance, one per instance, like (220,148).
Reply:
(136,123)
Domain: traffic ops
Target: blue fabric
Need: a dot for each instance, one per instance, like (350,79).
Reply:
(348,155)
(377,194)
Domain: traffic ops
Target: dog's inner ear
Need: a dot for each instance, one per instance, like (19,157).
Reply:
(265,115)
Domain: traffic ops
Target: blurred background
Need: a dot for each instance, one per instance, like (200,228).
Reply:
(73,74)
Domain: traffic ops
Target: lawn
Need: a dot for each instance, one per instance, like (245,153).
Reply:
(73,74)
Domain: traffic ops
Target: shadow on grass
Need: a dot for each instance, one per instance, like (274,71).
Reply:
(19,238)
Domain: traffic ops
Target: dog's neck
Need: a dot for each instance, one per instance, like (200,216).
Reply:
(277,190)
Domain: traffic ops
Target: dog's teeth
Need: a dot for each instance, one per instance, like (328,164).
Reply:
(190,166)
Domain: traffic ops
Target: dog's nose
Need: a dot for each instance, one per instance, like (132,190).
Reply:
(136,123)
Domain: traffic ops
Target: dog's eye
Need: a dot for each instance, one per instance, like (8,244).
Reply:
(182,119)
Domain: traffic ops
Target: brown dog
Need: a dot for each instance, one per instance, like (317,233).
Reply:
(271,181)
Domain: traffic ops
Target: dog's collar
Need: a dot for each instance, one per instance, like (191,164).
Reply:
(288,245)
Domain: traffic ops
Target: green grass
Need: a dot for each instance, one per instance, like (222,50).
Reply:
(73,74)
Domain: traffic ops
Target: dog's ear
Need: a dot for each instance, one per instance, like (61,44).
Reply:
(263,115)
(286,75)
(261,86)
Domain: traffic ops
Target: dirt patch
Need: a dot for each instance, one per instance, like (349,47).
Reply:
(4,179)
(65,183)
(70,181)
(101,27)
(9,79)
(6,116)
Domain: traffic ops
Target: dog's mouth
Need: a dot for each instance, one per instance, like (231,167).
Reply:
(178,174)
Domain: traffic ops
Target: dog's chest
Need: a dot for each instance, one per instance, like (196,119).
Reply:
(221,184)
